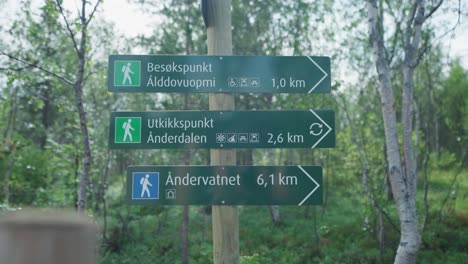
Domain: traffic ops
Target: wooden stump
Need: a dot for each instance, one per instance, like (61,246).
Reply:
(46,237)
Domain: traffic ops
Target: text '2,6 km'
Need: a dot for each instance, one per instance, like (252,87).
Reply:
(222,129)
(211,74)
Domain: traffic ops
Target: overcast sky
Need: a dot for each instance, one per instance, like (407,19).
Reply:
(131,20)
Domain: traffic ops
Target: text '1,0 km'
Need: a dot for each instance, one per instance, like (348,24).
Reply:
(224,185)
(211,74)
(222,129)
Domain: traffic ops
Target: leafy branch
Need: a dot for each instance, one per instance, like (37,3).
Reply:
(37,66)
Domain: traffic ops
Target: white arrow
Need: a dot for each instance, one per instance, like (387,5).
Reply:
(323,78)
(312,179)
(326,133)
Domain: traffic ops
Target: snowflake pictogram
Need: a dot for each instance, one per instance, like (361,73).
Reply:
(220,138)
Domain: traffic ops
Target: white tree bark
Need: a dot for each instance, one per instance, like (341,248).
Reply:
(403,180)
(274,209)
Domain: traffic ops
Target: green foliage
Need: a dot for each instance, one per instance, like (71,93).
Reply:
(445,160)
(40,139)
(453,110)
(446,241)
(254,259)
(29,177)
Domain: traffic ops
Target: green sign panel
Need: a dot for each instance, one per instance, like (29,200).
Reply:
(222,129)
(224,185)
(211,74)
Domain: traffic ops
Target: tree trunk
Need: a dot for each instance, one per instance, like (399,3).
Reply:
(426,190)
(436,133)
(275,214)
(185,212)
(101,194)
(45,116)
(430,144)
(6,185)
(417,128)
(187,153)
(362,157)
(366,182)
(410,238)
(78,88)
(316,233)
(8,139)
(403,181)
(381,235)
(274,209)
(185,235)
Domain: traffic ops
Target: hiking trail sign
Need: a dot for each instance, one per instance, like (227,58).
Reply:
(224,185)
(222,129)
(215,74)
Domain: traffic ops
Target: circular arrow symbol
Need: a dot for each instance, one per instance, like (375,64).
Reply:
(316,129)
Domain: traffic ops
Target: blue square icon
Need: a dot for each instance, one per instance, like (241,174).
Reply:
(145,185)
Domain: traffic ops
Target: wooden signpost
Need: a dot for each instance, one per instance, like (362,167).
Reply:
(225,220)
(222,129)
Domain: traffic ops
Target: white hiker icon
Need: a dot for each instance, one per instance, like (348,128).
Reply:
(145,182)
(127,71)
(127,126)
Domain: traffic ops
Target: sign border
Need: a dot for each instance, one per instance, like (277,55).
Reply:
(315,178)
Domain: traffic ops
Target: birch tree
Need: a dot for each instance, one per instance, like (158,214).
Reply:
(78,33)
(402,167)
(80,45)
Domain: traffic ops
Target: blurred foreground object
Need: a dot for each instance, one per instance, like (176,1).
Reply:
(42,236)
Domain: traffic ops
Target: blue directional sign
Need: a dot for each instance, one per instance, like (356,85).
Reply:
(145,185)
(226,185)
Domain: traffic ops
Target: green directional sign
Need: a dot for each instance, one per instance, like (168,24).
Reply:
(222,129)
(224,185)
(211,74)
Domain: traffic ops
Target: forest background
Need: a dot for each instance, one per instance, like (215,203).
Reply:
(55,107)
